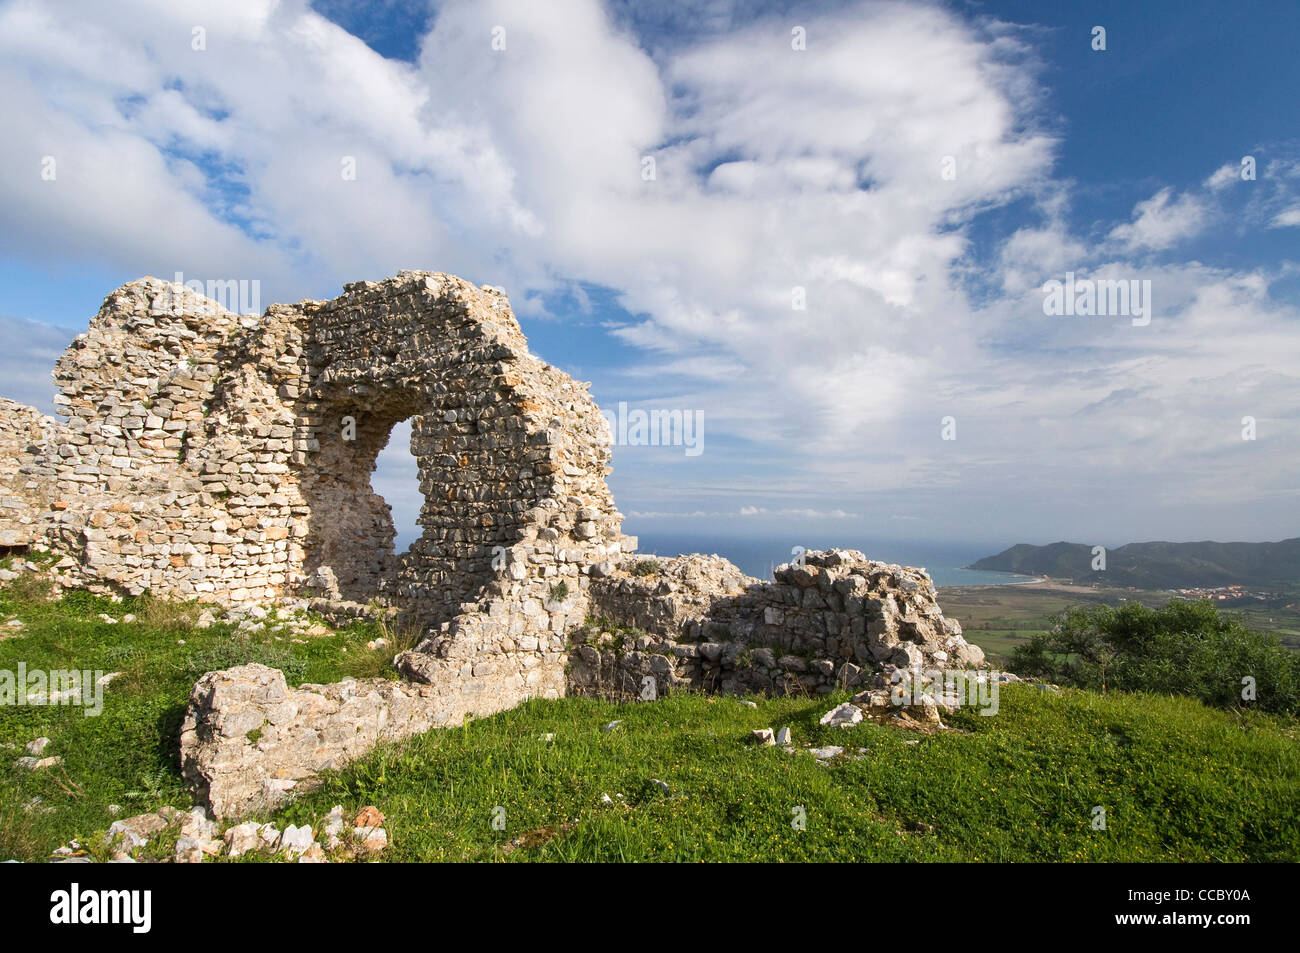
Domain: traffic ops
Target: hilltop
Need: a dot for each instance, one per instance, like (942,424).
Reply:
(1158,565)
(675,779)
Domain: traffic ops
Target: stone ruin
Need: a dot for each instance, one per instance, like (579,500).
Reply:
(227,458)
(24,484)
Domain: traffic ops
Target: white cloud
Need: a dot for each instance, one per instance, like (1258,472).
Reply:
(397,480)
(1159,223)
(1031,255)
(1224,176)
(1287,218)
(775,170)
(27,360)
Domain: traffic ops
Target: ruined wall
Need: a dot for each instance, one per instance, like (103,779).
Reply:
(225,435)
(135,388)
(840,620)
(300,731)
(25,482)
(229,457)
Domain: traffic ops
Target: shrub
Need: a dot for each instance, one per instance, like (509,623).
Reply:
(1184,648)
(194,665)
(167,615)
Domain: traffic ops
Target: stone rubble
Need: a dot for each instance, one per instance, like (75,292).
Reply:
(38,764)
(333,827)
(842,716)
(198,838)
(826,753)
(369,816)
(370,839)
(295,840)
(243,838)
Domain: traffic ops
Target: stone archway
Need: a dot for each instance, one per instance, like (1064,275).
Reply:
(348,548)
(510,450)
(222,469)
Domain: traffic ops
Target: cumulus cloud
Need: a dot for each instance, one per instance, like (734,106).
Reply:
(1161,222)
(1224,176)
(800,264)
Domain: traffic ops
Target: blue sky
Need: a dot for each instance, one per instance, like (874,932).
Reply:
(776,169)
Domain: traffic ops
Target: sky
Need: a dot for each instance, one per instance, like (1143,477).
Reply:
(826,231)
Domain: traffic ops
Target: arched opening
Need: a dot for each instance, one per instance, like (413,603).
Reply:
(436,462)
(397,480)
(349,547)
(507,451)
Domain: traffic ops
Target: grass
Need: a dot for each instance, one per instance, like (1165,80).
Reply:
(128,755)
(1178,781)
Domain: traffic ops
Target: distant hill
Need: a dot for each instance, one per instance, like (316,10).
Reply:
(1158,565)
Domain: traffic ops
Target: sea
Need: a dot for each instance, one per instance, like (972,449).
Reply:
(758,556)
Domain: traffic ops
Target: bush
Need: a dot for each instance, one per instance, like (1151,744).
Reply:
(194,665)
(1184,648)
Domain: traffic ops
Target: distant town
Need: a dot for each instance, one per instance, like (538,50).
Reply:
(1228,593)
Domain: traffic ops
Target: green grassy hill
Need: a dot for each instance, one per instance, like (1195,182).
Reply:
(1158,565)
(1176,780)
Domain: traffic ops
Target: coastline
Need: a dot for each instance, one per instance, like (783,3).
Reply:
(1019,580)
(1043,583)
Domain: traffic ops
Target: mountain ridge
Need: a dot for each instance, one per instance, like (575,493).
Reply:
(1157,564)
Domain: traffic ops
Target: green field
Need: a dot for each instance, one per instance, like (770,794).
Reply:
(997,618)
(1281,620)
(1176,780)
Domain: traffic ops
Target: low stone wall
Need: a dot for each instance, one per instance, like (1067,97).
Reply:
(248,739)
(839,620)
